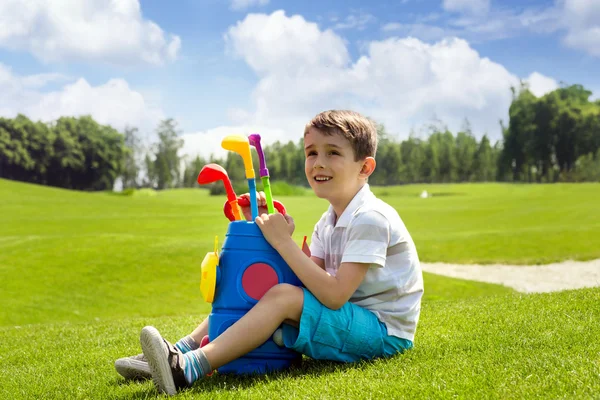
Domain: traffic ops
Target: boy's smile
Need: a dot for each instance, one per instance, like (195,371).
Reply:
(322,178)
(331,169)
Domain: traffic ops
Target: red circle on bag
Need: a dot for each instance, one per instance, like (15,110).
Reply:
(258,279)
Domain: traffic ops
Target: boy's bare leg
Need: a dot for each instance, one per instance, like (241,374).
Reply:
(282,303)
(200,331)
(172,370)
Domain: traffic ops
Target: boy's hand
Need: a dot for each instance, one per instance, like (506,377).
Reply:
(276,227)
(261,199)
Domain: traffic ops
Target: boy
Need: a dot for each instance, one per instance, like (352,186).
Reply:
(363,281)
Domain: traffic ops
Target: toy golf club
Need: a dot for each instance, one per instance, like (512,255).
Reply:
(213,172)
(243,202)
(254,140)
(235,278)
(239,144)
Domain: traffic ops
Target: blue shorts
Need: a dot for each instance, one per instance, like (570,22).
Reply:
(349,334)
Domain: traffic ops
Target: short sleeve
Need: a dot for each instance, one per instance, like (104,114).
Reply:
(368,237)
(316,246)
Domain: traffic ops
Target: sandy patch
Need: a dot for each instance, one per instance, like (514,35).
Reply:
(528,279)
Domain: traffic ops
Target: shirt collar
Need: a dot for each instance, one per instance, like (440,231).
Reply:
(360,198)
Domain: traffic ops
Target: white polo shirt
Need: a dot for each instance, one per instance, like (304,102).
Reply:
(371,231)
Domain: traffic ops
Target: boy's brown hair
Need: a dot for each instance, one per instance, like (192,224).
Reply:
(359,130)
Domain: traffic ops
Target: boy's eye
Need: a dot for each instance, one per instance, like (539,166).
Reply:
(334,153)
(311,153)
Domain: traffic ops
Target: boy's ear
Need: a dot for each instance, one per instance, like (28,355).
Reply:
(368,167)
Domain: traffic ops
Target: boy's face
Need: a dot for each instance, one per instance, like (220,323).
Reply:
(330,168)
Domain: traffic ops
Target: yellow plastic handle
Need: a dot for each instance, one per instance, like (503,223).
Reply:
(240,144)
(208,280)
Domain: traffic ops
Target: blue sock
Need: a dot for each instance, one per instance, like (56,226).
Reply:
(186,344)
(196,365)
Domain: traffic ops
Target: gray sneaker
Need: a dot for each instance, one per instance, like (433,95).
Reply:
(134,367)
(166,361)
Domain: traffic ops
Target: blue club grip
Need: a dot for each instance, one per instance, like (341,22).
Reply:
(253,200)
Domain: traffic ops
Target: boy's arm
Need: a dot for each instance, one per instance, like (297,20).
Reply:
(319,261)
(332,291)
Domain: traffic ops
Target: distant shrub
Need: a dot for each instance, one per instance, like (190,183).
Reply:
(128,192)
(587,168)
(280,188)
(146,192)
(240,187)
(134,192)
(124,192)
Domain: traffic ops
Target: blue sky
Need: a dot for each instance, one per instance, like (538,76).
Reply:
(239,66)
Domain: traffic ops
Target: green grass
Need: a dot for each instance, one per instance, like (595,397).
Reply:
(501,223)
(82,273)
(72,256)
(534,346)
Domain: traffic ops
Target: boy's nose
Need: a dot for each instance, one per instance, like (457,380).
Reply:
(319,162)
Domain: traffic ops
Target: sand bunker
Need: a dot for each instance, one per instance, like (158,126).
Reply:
(528,279)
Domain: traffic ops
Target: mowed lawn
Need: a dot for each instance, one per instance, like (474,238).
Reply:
(82,273)
(501,223)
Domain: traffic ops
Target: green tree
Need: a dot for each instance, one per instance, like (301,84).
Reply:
(484,164)
(103,148)
(234,165)
(15,161)
(192,169)
(466,147)
(150,177)
(394,168)
(297,164)
(518,138)
(166,156)
(431,163)
(131,153)
(588,167)
(69,158)
(413,152)
(448,163)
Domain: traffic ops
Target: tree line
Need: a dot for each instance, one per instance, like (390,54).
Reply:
(548,139)
(553,138)
(73,153)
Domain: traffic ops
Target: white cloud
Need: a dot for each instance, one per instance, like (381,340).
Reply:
(582,20)
(208,143)
(112,31)
(467,6)
(402,83)
(409,82)
(240,5)
(425,32)
(355,21)
(285,44)
(540,84)
(577,20)
(495,23)
(392,26)
(41,80)
(113,103)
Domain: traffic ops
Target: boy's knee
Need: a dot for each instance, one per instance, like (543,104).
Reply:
(284,290)
(285,294)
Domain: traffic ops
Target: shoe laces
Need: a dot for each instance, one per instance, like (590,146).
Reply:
(139,357)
